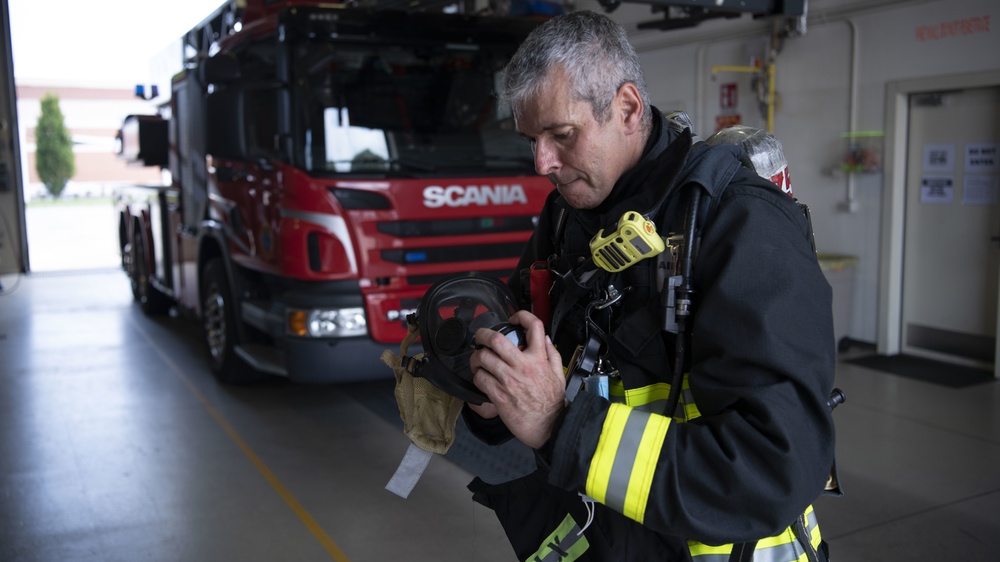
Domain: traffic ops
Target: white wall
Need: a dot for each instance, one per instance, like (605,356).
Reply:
(813,81)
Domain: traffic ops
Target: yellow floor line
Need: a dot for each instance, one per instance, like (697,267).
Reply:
(296,507)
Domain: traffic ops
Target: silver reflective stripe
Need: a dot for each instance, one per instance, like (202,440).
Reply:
(654,407)
(659,406)
(782,553)
(687,394)
(811,521)
(628,449)
(790,551)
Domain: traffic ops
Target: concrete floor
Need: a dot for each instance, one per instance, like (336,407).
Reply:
(116,444)
(72,235)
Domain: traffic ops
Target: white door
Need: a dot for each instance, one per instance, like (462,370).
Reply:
(951,248)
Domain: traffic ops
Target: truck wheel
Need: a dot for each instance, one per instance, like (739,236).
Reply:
(219,321)
(150,299)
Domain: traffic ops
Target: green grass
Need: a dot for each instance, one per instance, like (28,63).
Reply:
(70,202)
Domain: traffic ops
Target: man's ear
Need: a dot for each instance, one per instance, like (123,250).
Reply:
(630,107)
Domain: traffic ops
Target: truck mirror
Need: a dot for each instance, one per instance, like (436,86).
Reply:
(144,139)
(220,69)
(225,134)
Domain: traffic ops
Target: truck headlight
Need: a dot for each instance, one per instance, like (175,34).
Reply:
(328,323)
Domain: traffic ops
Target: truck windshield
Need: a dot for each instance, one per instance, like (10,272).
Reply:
(403,110)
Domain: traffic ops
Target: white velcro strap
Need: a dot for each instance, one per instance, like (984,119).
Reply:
(411,468)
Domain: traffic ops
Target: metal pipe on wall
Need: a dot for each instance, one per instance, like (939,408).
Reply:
(850,204)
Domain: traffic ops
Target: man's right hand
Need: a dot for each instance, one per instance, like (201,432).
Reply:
(486,410)
(526,387)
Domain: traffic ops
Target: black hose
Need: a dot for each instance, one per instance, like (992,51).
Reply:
(682,306)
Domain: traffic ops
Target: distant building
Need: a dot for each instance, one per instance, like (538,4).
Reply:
(93,116)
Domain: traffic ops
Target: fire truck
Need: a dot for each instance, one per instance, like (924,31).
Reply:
(325,165)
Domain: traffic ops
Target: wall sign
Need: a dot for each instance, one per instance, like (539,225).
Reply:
(723,121)
(981,158)
(953,28)
(939,157)
(729,96)
(937,189)
(981,190)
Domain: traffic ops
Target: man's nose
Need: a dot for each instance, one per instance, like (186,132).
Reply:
(546,158)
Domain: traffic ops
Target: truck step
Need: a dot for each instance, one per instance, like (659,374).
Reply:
(263,358)
(259,315)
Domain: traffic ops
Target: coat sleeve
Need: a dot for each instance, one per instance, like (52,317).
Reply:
(762,366)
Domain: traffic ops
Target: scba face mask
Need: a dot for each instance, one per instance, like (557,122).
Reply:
(432,386)
(449,314)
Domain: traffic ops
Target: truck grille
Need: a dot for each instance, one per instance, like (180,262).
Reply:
(450,254)
(457,227)
(415,280)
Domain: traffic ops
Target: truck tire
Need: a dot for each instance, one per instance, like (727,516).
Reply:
(150,299)
(219,323)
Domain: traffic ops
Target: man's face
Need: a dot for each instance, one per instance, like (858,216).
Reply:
(581,157)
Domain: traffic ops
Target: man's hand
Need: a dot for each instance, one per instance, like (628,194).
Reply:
(526,388)
(486,410)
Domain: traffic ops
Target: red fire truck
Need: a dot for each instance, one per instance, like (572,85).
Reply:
(326,165)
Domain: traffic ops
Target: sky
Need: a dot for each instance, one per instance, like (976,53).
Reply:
(98,43)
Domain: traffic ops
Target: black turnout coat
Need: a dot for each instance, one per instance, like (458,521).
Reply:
(760,363)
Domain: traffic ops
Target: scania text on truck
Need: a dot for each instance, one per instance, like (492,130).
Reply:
(326,165)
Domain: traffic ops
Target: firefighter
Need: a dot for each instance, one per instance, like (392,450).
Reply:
(694,423)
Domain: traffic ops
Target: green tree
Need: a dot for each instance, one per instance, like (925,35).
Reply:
(53,147)
(368,161)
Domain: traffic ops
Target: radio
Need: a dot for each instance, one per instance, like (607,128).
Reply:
(634,240)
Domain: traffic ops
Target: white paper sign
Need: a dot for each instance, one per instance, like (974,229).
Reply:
(937,189)
(981,158)
(981,190)
(939,157)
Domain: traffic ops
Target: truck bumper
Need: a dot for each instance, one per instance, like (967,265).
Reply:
(336,361)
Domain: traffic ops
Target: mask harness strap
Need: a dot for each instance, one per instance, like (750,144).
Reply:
(415,460)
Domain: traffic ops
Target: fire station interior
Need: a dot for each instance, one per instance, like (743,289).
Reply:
(118,444)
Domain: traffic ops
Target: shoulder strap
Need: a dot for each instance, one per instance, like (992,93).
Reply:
(703,181)
(559,230)
(709,168)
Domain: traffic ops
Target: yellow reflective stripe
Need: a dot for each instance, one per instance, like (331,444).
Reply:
(785,537)
(812,524)
(783,547)
(702,549)
(653,398)
(621,472)
(641,396)
(604,456)
(691,411)
(780,548)
(616,390)
(565,544)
